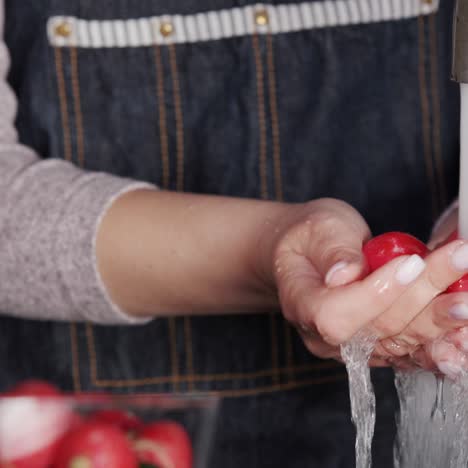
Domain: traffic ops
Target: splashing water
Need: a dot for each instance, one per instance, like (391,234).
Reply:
(433,417)
(423,439)
(426,438)
(356,354)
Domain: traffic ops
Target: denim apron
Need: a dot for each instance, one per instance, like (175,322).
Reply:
(288,101)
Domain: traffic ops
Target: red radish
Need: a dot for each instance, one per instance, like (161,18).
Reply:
(381,249)
(39,459)
(165,444)
(95,445)
(460,285)
(34,388)
(33,419)
(124,420)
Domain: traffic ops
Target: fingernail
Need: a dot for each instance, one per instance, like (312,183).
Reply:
(450,369)
(459,312)
(460,258)
(332,277)
(410,269)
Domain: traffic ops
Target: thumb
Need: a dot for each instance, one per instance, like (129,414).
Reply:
(338,256)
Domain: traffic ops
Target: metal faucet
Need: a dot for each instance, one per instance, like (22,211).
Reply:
(460,42)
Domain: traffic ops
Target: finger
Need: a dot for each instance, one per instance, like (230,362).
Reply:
(319,348)
(459,338)
(423,359)
(378,362)
(444,266)
(402,363)
(335,245)
(446,313)
(449,360)
(340,313)
(395,347)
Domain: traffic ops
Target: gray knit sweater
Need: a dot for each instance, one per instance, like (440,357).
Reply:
(49,214)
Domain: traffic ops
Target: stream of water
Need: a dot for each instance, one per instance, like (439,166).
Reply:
(433,418)
(356,354)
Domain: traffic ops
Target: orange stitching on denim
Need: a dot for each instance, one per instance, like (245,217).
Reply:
(178,117)
(162,118)
(75,358)
(280,387)
(62,94)
(303,368)
(288,331)
(75,81)
(180,150)
(189,350)
(77,105)
(261,117)
(92,354)
(272,90)
(425,114)
(263,177)
(247,391)
(166,184)
(174,356)
(434,62)
(63,104)
(274,348)
(274,118)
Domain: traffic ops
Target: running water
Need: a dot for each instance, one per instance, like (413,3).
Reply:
(428,439)
(425,436)
(436,434)
(463,187)
(433,417)
(356,354)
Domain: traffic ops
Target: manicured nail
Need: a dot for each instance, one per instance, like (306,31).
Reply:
(459,312)
(332,277)
(410,269)
(460,258)
(450,369)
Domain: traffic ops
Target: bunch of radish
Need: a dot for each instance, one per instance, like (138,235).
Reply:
(39,429)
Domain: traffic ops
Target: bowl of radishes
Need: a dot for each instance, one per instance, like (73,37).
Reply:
(41,427)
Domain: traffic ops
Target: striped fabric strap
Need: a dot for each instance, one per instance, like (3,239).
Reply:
(66,31)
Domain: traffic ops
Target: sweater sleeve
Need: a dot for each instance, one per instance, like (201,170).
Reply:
(49,216)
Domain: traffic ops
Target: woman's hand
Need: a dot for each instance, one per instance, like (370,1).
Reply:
(163,253)
(324,289)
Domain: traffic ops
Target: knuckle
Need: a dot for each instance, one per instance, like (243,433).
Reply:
(333,331)
(385,328)
(321,349)
(435,282)
(322,223)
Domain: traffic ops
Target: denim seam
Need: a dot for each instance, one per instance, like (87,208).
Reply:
(263,173)
(63,103)
(75,84)
(434,65)
(75,358)
(162,118)
(62,94)
(425,113)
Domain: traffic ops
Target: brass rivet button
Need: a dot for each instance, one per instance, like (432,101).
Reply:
(63,29)
(166,29)
(261,18)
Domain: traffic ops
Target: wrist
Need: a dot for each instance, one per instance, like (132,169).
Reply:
(273,228)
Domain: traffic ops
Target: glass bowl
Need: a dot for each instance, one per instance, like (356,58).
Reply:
(160,430)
